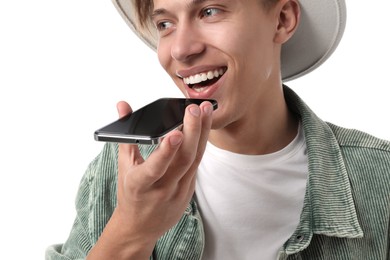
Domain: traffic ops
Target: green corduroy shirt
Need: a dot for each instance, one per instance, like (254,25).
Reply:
(346,212)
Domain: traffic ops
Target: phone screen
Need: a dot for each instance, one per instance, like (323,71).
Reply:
(150,123)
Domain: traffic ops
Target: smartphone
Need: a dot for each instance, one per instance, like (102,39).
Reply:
(149,124)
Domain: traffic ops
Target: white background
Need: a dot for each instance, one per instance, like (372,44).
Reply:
(65,64)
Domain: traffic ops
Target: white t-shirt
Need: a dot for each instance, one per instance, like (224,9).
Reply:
(251,204)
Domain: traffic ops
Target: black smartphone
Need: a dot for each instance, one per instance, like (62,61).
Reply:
(149,124)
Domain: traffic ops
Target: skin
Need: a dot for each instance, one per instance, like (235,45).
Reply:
(251,88)
(153,194)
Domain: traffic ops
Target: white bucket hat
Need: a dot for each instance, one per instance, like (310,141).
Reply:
(320,31)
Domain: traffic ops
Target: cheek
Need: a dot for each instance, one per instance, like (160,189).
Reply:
(165,59)
(163,55)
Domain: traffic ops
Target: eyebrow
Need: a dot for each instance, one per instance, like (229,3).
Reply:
(161,11)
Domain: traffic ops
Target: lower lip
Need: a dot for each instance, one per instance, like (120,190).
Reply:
(208,92)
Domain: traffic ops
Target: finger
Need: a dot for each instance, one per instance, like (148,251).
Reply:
(207,110)
(128,155)
(123,108)
(192,127)
(171,161)
(186,153)
(156,166)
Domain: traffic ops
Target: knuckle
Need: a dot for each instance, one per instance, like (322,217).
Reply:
(186,158)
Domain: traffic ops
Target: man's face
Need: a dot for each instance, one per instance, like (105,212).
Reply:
(219,49)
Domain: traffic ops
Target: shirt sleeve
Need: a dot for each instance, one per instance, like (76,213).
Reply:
(95,202)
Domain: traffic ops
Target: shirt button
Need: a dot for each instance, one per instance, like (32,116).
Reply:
(299,238)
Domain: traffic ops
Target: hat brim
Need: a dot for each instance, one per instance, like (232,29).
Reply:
(320,30)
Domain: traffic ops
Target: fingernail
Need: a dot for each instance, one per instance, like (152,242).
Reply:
(175,140)
(208,109)
(195,111)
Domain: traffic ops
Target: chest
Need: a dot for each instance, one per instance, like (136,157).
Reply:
(249,208)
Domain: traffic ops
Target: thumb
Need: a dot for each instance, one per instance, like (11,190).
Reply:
(123,108)
(128,154)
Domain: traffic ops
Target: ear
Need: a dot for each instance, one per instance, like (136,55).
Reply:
(288,13)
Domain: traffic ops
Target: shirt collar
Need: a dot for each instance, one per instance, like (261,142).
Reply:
(328,205)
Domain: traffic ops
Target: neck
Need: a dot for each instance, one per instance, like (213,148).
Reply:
(267,127)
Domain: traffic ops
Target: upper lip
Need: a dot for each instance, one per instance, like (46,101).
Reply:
(184,73)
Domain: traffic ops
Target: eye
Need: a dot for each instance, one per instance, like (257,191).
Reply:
(207,12)
(164,25)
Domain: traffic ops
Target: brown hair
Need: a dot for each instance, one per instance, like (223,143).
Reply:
(145,7)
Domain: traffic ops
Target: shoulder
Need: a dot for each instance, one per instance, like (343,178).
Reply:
(367,164)
(360,140)
(107,157)
(96,197)
(365,156)
(100,179)
(366,159)
(103,168)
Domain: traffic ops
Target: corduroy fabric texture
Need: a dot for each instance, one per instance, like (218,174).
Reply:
(346,213)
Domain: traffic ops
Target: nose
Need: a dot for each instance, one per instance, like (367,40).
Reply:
(187,43)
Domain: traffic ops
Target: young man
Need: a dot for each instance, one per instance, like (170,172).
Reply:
(262,177)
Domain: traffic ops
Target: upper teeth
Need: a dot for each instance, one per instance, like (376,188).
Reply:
(197,78)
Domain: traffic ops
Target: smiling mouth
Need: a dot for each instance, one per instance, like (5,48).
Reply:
(200,81)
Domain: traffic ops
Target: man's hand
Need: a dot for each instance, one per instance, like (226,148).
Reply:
(153,194)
